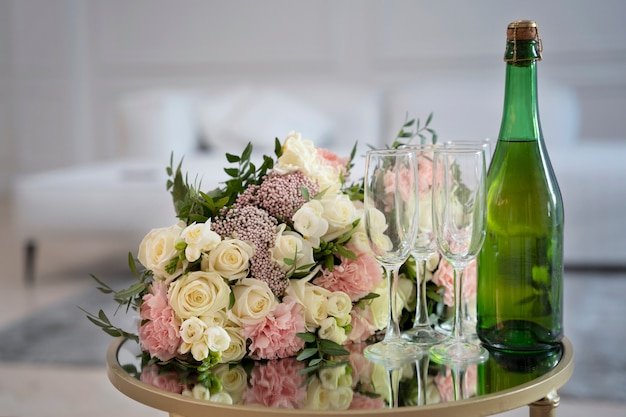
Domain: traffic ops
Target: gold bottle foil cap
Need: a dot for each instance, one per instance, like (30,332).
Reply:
(523,30)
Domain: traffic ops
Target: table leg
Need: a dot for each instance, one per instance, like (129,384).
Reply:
(545,407)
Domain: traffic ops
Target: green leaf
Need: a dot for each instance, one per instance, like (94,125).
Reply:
(232,158)
(307,337)
(232,172)
(307,353)
(331,348)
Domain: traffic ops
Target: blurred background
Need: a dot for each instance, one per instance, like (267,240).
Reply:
(95,95)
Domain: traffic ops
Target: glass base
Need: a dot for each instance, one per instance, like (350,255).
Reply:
(456,351)
(423,336)
(392,352)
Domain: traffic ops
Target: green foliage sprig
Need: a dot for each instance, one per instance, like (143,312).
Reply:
(320,353)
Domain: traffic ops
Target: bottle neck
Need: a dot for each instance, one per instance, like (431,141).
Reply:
(520,117)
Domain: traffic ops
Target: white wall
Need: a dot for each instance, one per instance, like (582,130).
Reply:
(65,63)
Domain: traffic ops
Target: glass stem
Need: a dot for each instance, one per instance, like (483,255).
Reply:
(457,328)
(421,308)
(393,328)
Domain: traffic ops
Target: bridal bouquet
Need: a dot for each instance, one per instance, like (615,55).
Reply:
(273,264)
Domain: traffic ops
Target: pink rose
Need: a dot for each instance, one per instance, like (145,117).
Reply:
(444,277)
(356,278)
(277,384)
(167,381)
(275,335)
(159,334)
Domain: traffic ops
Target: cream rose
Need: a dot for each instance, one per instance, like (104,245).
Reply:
(315,305)
(230,258)
(406,292)
(289,245)
(329,329)
(237,348)
(199,238)
(340,212)
(218,318)
(221,398)
(341,398)
(158,248)
(317,397)
(234,379)
(253,301)
(334,377)
(198,294)
(310,223)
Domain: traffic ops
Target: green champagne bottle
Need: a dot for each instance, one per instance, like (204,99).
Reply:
(520,266)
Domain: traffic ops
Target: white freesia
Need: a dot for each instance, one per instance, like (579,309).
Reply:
(237,348)
(334,377)
(290,245)
(192,330)
(341,398)
(310,223)
(329,329)
(199,351)
(221,398)
(217,339)
(230,258)
(158,248)
(339,305)
(199,392)
(253,301)
(199,238)
(199,293)
(340,212)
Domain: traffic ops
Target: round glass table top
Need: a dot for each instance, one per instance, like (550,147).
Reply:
(356,387)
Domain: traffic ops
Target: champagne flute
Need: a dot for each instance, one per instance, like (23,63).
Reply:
(422,333)
(459,187)
(390,211)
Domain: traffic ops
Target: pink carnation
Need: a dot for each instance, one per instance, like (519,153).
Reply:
(357,278)
(445,384)
(277,384)
(160,334)
(332,159)
(362,325)
(275,336)
(444,277)
(405,184)
(365,402)
(167,381)
(425,174)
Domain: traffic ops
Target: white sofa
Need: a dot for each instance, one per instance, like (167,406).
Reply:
(126,197)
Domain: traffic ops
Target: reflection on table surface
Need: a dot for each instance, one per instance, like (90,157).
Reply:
(355,383)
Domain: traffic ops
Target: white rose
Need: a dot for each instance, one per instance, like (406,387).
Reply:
(218,318)
(158,248)
(310,223)
(331,331)
(289,245)
(192,330)
(379,306)
(432,262)
(199,293)
(406,292)
(297,155)
(340,212)
(230,258)
(315,304)
(199,238)
(217,339)
(234,379)
(339,305)
(237,348)
(377,225)
(327,177)
(253,301)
